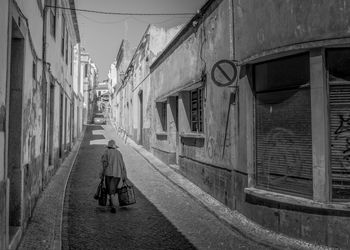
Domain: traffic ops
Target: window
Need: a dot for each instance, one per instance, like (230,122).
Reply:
(53,13)
(197,110)
(63,35)
(162,112)
(338,66)
(34,70)
(66,47)
(283,126)
(71,59)
(86,70)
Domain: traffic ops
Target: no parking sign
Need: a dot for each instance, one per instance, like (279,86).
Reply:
(224,73)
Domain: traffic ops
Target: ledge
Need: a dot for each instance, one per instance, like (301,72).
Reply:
(161,133)
(192,135)
(296,201)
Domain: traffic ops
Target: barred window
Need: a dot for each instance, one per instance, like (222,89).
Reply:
(197,110)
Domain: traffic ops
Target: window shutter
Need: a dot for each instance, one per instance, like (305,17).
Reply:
(284,144)
(339,99)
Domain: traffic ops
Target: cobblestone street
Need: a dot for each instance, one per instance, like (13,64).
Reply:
(164,217)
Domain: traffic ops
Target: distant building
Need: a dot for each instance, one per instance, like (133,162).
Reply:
(121,63)
(102,92)
(89,78)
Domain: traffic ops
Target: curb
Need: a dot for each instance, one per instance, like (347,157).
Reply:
(57,243)
(231,218)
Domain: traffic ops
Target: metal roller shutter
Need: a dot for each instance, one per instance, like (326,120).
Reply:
(284,142)
(339,100)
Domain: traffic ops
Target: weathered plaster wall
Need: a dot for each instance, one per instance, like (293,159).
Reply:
(266,25)
(3,89)
(207,161)
(270,28)
(154,41)
(3,82)
(32,138)
(185,65)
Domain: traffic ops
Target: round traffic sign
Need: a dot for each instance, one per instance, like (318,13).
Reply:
(224,73)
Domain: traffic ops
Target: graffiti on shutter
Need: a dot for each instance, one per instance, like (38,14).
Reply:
(283,141)
(339,100)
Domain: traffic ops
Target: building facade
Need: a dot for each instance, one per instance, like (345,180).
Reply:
(265,132)
(89,78)
(136,89)
(38,97)
(294,83)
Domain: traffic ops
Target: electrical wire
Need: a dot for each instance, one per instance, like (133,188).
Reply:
(100,22)
(121,13)
(160,22)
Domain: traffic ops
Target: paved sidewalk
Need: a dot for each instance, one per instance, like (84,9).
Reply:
(44,228)
(236,221)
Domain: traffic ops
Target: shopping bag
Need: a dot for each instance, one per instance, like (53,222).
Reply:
(101,193)
(126,194)
(98,191)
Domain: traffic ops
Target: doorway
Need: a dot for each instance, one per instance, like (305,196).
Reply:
(141,117)
(15,129)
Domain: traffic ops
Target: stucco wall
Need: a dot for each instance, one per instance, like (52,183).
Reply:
(266,25)
(185,65)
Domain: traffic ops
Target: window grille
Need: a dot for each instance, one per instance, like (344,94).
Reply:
(197,110)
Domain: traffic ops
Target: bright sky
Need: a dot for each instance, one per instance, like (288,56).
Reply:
(101,35)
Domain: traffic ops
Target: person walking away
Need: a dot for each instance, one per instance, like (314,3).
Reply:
(113,170)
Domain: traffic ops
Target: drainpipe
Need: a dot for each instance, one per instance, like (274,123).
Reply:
(44,92)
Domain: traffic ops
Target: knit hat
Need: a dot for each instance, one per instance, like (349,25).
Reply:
(111,144)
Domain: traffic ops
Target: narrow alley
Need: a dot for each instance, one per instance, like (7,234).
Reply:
(232,118)
(164,216)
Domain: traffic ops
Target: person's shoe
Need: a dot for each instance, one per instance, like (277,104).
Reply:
(113,210)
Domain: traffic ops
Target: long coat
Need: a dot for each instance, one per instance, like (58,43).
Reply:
(113,163)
